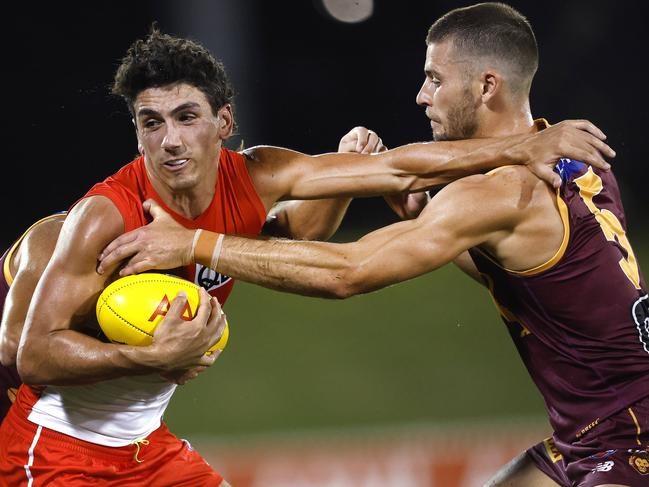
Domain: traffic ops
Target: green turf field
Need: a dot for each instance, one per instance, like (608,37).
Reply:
(432,350)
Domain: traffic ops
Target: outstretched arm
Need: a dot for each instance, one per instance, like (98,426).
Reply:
(462,215)
(455,220)
(409,206)
(281,174)
(53,348)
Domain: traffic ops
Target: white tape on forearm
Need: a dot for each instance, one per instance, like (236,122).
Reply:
(217,251)
(197,234)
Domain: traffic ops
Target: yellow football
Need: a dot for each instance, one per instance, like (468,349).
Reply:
(130,308)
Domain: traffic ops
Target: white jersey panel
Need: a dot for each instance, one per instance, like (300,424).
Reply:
(111,413)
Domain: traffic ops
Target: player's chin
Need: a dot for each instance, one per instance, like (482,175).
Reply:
(183,182)
(439,136)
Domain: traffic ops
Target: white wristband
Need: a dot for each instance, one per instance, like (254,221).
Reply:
(197,234)
(217,251)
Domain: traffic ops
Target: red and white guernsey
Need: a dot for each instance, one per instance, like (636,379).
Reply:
(120,411)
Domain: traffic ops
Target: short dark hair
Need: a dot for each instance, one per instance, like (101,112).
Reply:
(161,60)
(493,30)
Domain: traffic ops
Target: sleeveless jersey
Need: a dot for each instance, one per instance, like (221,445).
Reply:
(580,321)
(117,412)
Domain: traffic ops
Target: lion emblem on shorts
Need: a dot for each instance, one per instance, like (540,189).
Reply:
(640,461)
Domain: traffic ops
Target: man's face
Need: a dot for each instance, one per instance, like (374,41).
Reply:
(178,134)
(447,94)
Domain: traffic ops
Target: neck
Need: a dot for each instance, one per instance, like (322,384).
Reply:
(190,204)
(509,120)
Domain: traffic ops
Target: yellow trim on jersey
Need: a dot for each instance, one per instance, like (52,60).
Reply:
(563,211)
(590,185)
(496,169)
(551,450)
(637,425)
(6,268)
(541,123)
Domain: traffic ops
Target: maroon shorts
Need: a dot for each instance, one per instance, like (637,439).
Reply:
(616,451)
(9,384)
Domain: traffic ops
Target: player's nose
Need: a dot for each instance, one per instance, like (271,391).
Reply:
(424,97)
(172,140)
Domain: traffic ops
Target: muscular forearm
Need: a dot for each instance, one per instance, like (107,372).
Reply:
(424,165)
(67,357)
(403,169)
(317,268)
(308,268)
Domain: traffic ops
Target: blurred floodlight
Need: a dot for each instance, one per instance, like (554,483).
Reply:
(350,11)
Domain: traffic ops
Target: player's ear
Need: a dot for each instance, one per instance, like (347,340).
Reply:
(225,121)
(491,83)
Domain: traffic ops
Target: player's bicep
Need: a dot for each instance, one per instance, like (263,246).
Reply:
(69,285)
(458,218)
(282,174)
(273,171)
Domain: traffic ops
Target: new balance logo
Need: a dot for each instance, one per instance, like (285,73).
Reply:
(603,466)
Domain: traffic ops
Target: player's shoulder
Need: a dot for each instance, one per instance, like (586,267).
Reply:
(94,217)
(35,246)
(504,193)
(266,154)
(511,174)
(506,180)
(499,181)
(46,228)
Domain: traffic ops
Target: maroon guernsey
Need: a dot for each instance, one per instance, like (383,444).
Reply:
(580,321)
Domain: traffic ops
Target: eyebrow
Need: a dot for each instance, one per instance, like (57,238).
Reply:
(144,112)
(431,73)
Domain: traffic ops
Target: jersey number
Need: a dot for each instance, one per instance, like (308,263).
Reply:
(590,185)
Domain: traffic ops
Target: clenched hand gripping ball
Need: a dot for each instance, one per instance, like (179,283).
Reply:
(130,308)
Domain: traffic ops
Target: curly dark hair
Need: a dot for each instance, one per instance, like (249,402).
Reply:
(161,60)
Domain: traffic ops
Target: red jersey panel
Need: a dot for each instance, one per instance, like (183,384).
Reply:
(581,321)
(235,209)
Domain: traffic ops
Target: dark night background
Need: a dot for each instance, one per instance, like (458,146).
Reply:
(302,81)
